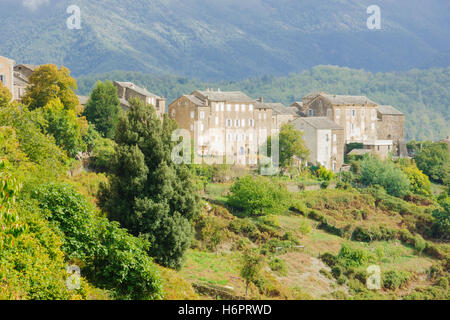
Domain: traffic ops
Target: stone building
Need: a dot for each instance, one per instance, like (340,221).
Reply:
(378,128)
(128,90)
(280,113)
(224,123)
(324,139)
(7,74)
(22,73)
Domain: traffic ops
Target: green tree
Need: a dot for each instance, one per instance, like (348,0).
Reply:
(49,83)
(112,258)
(147,193)
(419,182)
(291,144)
(252,264)
(434,160)
(103,108)
(5,96)
(385,174)
(258,196)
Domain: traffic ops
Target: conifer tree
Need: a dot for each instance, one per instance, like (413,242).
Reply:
(147,193)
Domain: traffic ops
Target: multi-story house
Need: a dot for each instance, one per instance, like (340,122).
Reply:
(364,121)
(7,74)
(324,139)
(222,124)
(280,113)
(128,90)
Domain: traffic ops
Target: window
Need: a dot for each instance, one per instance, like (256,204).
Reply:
(202,115)
(192,114)
(310,113)
(236,107)
(250,107)
(243,122)
(250,137)
(228,107)
(373,125)
(374,114)
(353,126)
(236,123)
(259,116)
(265,116)
(327,138)
(217,107)
(241,151)
(173,113)
(201,127)
(353,113)
(228,122)
(217,121)
(338,113)
(251,122)
(192,127)
(363,113)
(243,108)
(334,150)
(222,106)
(228,136)
(334,137)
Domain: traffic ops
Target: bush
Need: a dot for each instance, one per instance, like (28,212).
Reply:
(354,257)
(278,265)
(258,196)
(385,174)
(113,258)
(395,279)
(305,227)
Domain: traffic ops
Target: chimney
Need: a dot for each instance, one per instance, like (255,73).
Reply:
(260,99)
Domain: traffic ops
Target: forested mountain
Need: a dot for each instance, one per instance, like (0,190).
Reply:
(226,39)
(423,95)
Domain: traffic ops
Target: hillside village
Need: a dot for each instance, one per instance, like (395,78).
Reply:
(105,197)
(234,124)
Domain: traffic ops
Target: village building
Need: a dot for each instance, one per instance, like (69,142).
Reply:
(325,140)
(128,90)
(280,113)
(224,123)
(7,74)
(377,128)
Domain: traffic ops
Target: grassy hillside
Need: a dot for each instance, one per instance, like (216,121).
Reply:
(227,39)
(423,95)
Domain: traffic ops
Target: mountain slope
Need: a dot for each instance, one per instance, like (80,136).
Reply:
(227,39)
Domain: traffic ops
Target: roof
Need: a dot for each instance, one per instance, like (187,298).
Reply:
(389,110)
(194,100)
(132,86)
(32,67)
(300,103)
(19,81)
(83,100)
(359,152)
(344,99)
(228,96)
(277,108)
(317,122)
(124,103)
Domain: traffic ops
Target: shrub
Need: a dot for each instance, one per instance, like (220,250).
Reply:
(354,257)
(395,279)
(336,271)
(385,174)
(258,196)
(329,259)
(278,265)
(305,227)
(113,258)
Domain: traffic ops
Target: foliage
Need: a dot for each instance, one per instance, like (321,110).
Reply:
(394,279)
(50,83)
(102,153)
(147,193)
(434,160)
(441,228)
(257,196)
(63,124)
(102,109)
(278,265)
(112,258)
(350,256)
(419,182)
(291,144)
(385,174)
(252,264)
(5,96)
